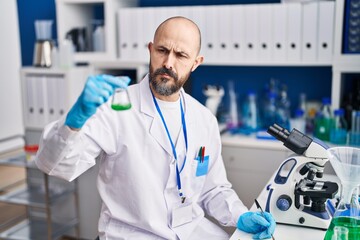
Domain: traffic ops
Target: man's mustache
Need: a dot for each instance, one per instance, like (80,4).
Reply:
(161,71)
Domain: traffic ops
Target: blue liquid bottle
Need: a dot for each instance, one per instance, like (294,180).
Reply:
(338,130)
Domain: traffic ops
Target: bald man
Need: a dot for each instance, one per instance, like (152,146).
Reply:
(160,162)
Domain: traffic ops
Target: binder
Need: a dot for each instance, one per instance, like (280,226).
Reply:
(293,30)
(132,29)
(309,31)
(278,47)
(124,33)
(148,23)
(224,26)
(197,14)
(64,104)
(252,32)
(211,34)
(238,40)
(41,98)
(53,98)
(265,32)
(326,31)
(31,106)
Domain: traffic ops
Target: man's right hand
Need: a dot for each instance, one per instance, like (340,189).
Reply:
(97,91)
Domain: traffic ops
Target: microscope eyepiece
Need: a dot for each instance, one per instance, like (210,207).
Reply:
(295,141)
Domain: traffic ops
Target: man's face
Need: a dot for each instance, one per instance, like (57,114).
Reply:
(173,56)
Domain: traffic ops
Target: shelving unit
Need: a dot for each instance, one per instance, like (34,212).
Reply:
(343,63)
(49,93)
(79,13)
(51,204)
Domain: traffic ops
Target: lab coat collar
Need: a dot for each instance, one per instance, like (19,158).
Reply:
(157,129)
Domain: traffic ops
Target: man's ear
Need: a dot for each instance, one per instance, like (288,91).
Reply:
(150,44)
(198,60)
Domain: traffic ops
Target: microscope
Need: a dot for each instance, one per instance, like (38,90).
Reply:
(294,195)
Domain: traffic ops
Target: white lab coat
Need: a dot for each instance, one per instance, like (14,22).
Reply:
(137,176)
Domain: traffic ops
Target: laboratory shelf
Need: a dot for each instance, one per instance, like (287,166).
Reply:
(18,160)
(37,229)
(35,197)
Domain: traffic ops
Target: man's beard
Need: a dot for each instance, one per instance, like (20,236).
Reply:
(161,85)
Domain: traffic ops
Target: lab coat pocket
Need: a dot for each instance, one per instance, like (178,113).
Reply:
(203,166)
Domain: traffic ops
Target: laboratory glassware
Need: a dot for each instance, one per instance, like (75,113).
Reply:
(338,130)
(43,44)
(121,100)
(346,163)
(323,120)
(354,134)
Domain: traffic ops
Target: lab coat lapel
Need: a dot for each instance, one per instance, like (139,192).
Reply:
(190,123)
(147,106)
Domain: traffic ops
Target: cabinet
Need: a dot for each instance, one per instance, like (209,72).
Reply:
(51,205)
(49,93)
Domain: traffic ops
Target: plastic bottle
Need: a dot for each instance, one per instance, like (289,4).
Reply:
(338,131)
(323,120)
(250,113)
(98,37)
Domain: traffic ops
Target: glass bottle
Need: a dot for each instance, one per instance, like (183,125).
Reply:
(323,120)
(299,121)
(121,100)
(338,131)
(346,163)
(250,113)
(269,110)
(283,109)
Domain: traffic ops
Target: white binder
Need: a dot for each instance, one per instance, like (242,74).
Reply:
(30,104)
(238,40)
(211,34)
(124,34)
(293,31)
(197,14)
(252,32)
(278,47)
(224,27)
(265,32)
(133,31)
(41,100)
(64,104)
(53,98)
(326,31)
(148,27)
(309,31)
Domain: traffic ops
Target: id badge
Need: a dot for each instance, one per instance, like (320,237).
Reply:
(181,214)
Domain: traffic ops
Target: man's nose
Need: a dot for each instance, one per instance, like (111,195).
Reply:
(169,61)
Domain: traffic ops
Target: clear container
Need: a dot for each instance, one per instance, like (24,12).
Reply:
(121,100)
(43,29)
(338,130)
(250,113)
(323,121)
(346,163)
(299,121)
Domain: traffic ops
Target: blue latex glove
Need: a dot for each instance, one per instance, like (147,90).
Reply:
(254,222)
(97,91)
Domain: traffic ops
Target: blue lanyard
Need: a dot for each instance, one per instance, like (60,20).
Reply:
(178,179)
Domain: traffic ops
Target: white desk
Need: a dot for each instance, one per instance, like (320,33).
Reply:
(286,232)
